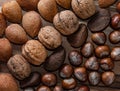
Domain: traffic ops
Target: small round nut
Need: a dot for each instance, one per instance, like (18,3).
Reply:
(19,67)
(50,37)
(6,49)
(66,22)
(12,11)
(7,82)
(34,52)
(16,34)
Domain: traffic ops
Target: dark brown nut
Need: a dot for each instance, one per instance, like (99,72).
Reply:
(118,7)
(107,64)
(83,88)
(33,80)
(66,71)
(114,37)
(100,21)
(69,83)
(78,38)
(29,89)
(115,21)
(19,67)
(50,37)
(43,88)
(58,88)
(80,73)
(94,78)
(108,78)
(7,82)
(48,9)
(99,38)
(106,3)
(49,79)
(84,8)
(115,54)
(28,5)
(12,11)
(102,51)
(75,58)
(66,22)
(55,60)
(3,24)
(92,63)
(16,34)
(87,50)
(64,3)
(6,50)
(31,22)
(34,52)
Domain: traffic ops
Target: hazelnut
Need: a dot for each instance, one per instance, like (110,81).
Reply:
(34,52)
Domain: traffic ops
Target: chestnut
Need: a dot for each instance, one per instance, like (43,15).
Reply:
(107,64)
(92,63)
(43,88)
(102,51)
(108,78)
(114,37)
(94,78)
(115,53)
(49,79)
(80,73)
(99,38)
(58,88)
(83,88)
(66,71)
(118,7)
(115,21)
(29,89)
(33,80)
(87,50)
(75,58)
(69,83)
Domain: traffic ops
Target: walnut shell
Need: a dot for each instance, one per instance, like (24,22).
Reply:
(66,22)
(28,4)
(84,8)
(16,34)
(34,52)
(3,24)
(12,11)
(6,49)
(8,83)
(50,37)
(19,67)
(31,22)
(47,9)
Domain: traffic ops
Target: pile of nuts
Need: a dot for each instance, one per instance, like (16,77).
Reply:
(93,62)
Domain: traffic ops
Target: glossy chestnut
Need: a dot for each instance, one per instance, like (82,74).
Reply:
(80,73)
(66,71)
(75,58)
(99,38)
(114,37)
(118,7)
(108,78)
(69,83)
(29,89)
(107,64)
(115,21)
(102,51)
(83,88)
(49,79)
(115,53)
(87,49)
(92,63)
(58,88)
(43,88)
